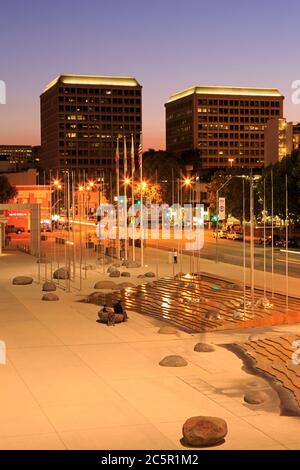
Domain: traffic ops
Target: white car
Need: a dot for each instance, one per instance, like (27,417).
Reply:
(235,235)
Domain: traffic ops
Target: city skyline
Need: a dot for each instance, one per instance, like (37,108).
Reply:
(146,41)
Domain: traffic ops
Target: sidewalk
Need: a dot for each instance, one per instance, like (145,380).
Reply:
(71,383)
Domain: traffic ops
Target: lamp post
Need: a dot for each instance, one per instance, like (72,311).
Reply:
(217,221)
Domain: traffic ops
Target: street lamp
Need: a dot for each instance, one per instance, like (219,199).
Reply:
(231,160)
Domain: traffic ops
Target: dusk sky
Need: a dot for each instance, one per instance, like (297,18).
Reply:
(167,45)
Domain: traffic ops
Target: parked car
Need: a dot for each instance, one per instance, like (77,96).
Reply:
(292,243)
(14,229)
(220,234)
(234,235)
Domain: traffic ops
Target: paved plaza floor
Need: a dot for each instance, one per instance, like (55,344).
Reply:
(72,383)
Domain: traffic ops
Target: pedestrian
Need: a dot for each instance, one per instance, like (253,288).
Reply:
(110,315)
(175,254)
(119,309)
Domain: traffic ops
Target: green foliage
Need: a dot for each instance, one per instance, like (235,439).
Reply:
(7,191)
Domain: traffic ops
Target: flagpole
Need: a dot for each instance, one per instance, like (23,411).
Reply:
(142,215)
(132,195)
(125,198)
(118,197)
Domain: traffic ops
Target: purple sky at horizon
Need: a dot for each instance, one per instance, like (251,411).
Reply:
(168,45)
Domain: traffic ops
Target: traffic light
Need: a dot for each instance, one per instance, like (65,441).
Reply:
(214,218)
(137,201)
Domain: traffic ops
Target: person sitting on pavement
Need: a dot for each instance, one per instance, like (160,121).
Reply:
(111,317)
(119,309)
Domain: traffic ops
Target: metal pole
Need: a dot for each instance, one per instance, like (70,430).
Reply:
(252,240)
(272,230)
(265,257)
(244,247)
(287,242)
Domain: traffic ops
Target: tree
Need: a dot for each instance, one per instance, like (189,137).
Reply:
(7,191)
(161,164)
(233,182)
(290,167)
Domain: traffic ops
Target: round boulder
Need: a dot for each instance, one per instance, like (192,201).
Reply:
(141,276)
(110,269)
(61,273)
(115,274)
(255,397)
(50,297)
(22,280)
(48,286)
(150,274)
(204,431)
(204,347)
(173,361)
(167,330)
(105,285)
(125,274)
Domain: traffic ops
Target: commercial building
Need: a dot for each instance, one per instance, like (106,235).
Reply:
(279,140)
(81,118)
(18,157)
(225,124)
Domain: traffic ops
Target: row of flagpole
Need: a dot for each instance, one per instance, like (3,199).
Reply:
(125,176)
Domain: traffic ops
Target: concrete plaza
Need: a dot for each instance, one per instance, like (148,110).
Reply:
(72,383)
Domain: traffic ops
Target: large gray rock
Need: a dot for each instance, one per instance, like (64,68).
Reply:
(105,285)
(50,297)
(167,330)
(22,280)
(141,276)
(150,274)
(173,361)
(255,397)
(115,274)
(125,274)
(204,347)
(61,273)
(49,286)
(204,431)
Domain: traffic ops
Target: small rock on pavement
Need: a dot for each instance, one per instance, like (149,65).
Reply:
(150,274)
(125,274)
(202,431)
(167,330)
(61,273)
(22,280)
(50,297)
(115,274)
(49,286)
(204,347)
(255,397)
(173,361)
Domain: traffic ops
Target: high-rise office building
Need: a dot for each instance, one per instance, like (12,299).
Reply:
(82,117)
(225,124)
